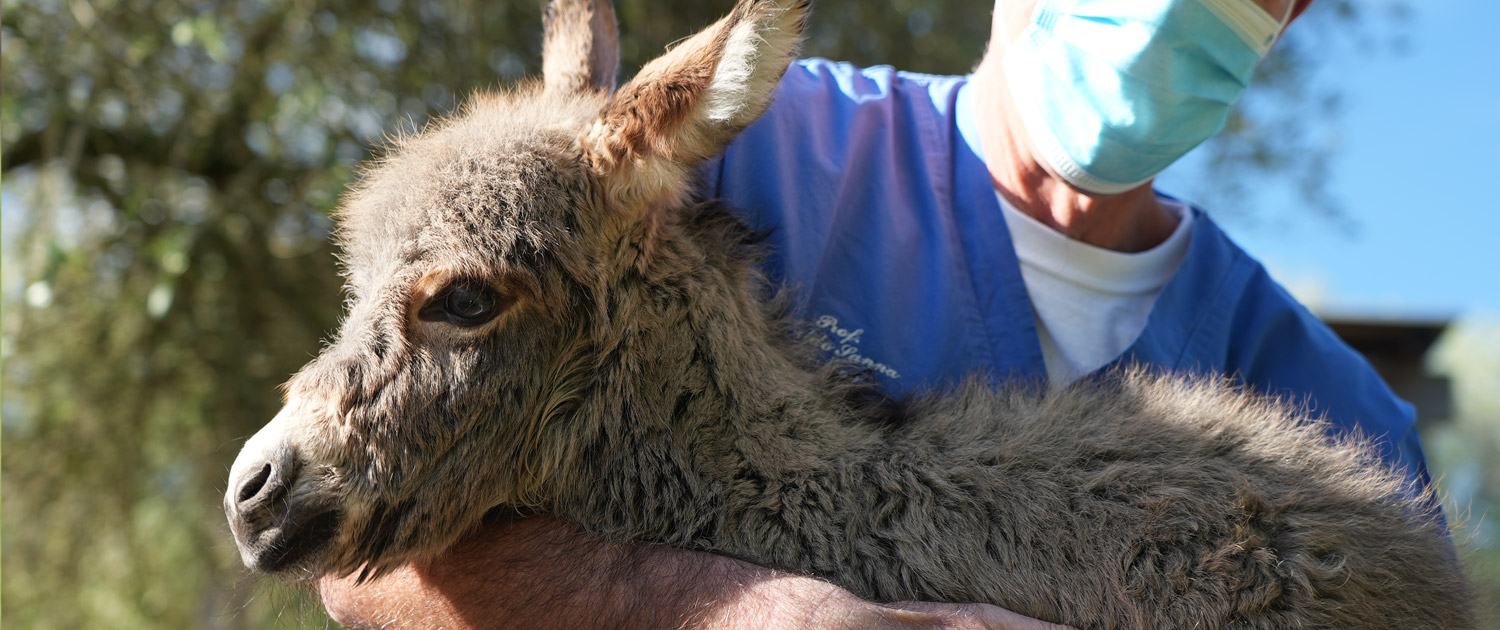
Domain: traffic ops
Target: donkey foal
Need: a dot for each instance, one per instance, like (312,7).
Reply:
(543,316)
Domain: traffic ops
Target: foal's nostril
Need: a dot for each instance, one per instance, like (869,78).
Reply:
(270,482)
(254,484)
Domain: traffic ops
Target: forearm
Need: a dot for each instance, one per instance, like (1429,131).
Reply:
(523,573)
(773,600)
(545,573)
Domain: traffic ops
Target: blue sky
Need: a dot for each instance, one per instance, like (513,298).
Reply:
(1418,164)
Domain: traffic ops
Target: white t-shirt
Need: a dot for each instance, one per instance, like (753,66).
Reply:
(1090,303)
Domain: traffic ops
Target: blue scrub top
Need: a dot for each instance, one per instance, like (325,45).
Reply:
(883,219)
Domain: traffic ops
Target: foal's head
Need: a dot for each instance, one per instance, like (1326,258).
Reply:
(476,252)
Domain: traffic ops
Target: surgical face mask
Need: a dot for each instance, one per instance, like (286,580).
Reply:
(1113,91)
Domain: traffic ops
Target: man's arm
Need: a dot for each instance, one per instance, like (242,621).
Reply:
(545,573)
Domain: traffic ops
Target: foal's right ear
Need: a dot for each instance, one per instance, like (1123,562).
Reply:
(581,46)
(686,105)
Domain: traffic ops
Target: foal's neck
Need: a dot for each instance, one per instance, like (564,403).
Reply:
(704,389)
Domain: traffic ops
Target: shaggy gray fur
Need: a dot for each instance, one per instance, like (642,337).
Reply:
(638,383)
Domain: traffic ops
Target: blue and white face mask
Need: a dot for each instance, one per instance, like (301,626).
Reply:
(1113,91)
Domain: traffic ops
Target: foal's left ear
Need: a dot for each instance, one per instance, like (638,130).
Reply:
(580,46)
(685,106)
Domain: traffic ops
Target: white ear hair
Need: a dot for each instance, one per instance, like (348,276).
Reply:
(741,79)
(686,105)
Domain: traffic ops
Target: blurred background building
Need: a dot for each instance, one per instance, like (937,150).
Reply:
(1398,350)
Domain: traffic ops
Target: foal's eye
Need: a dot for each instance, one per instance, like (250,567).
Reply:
(464,304)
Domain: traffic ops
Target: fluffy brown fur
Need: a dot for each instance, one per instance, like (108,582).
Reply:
(633,378)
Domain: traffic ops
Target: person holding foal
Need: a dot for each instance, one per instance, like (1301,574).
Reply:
(1002,222)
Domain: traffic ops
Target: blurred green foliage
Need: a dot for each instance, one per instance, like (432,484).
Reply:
(169,170)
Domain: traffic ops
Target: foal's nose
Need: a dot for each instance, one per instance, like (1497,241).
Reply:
(279,516)
(260,485)
(266,485)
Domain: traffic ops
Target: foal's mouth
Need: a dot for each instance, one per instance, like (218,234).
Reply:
(280,519)
(290,542)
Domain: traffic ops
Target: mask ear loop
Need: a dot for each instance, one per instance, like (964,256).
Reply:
(1291,9)
(1004,27)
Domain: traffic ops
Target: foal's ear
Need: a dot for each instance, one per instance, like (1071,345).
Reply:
(581,46)
(686,105)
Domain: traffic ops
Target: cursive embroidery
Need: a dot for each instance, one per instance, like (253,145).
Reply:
(844,344)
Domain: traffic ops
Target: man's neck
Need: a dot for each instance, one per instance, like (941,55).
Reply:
(1131,221)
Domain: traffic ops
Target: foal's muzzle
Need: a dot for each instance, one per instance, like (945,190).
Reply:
(276,515)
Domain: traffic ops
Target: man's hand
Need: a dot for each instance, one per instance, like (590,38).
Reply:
(545,573)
